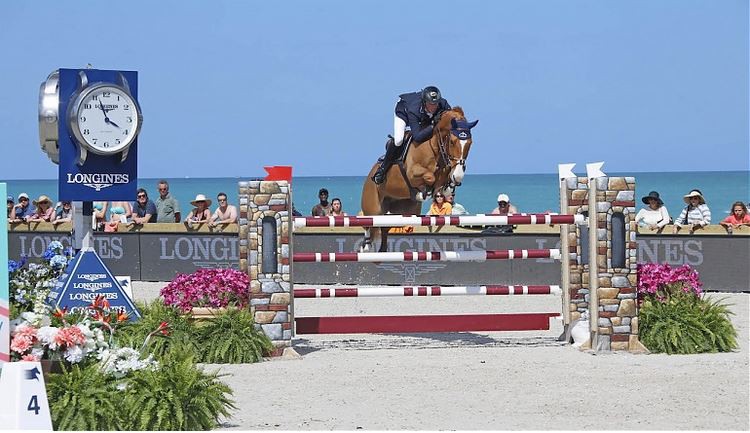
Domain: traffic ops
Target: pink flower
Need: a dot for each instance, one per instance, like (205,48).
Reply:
(21,343)
(29,357)
(208,287)
(70,336)
(24,337)
(662,281)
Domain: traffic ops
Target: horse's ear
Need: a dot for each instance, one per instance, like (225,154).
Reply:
(453,124)
(473,124)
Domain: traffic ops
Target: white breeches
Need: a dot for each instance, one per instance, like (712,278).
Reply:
(399,127)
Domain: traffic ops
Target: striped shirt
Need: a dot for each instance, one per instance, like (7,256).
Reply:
(695,215)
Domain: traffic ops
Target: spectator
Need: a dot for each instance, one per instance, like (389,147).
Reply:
(43,212)
(439,206)
(167,207)
(11,210)
(336,209)
(63,214)
(119,212)
(504,207)
(655,216)
(23,209)
(144,210)
(737,218)
(99,215)
(225,213)
(696,214)
(457,209)
(200,213)
(322,208)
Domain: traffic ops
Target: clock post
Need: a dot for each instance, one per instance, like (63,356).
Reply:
(89,121)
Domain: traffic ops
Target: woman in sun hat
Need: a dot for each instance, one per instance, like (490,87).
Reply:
(200,213)
(43,211)
(654,215)
(696,214)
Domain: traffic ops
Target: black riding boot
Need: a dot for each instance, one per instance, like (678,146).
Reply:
(391,153)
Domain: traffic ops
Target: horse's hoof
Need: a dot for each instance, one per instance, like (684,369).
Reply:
(420,196)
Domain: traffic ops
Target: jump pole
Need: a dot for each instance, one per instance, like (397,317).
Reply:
(593,172)
(409,291)
(565,172)
(425,256)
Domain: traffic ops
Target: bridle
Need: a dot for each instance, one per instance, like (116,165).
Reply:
(445,162)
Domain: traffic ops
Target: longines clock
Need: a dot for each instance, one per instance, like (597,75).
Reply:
(89,123)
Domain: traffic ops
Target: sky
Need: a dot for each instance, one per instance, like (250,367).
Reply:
(227,87)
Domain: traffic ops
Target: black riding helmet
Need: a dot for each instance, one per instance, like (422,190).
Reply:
(430,95)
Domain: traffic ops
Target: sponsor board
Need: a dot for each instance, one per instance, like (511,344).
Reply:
(86,278)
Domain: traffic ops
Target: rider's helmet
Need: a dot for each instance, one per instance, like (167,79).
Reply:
(430,95)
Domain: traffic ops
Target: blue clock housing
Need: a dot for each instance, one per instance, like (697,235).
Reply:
(101,177)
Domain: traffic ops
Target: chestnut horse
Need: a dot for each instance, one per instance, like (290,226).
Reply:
(433,165)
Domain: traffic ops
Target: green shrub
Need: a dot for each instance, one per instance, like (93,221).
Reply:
(686,324)
(178,396)
(181,330)
(84,398)
(231,338)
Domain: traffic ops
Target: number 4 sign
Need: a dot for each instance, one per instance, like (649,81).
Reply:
(23,397)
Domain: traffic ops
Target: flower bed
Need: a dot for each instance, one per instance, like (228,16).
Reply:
(215,288)
(675,316)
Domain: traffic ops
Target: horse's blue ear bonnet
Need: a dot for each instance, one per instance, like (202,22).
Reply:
(462,128)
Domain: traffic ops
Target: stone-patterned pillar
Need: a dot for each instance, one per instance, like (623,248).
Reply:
(618,316)
(271,300)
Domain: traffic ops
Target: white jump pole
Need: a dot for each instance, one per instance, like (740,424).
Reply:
(593,172)
(565,172)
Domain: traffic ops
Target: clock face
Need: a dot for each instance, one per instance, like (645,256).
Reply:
(107,119)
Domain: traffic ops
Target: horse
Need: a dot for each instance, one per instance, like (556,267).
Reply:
(438,164)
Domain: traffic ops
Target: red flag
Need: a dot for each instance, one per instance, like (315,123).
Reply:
(279,172)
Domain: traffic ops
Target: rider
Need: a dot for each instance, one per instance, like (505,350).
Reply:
(420,111)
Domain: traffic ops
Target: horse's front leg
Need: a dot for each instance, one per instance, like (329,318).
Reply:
(421,178)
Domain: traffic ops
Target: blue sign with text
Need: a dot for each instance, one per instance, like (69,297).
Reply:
(84,279)
(98,128)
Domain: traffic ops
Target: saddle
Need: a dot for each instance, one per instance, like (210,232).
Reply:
(403,149)
(399,161)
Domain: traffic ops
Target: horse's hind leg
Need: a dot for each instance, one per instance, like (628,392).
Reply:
(371,233)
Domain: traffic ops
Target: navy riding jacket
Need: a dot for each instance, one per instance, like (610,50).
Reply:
(410,109)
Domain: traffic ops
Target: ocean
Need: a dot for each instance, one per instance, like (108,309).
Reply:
(478,194)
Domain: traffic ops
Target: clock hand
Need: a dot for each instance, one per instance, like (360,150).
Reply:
(106,120)
(101,106)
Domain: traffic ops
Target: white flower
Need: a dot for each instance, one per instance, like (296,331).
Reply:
(37,352)
(74,354)
(47,334)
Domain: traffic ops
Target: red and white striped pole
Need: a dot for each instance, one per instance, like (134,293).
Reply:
(398,291)
(435,221)
(426,256)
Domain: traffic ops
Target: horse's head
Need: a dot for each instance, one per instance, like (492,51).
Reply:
(457,130)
